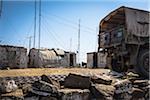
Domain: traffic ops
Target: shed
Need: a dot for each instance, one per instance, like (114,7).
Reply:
(51,58)
(13,57)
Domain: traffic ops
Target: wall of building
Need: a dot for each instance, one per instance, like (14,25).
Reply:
(96,60)
(101,60)
(13,57)
(90,60)
(50,58)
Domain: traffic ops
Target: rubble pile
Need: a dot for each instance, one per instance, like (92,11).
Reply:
(76,87)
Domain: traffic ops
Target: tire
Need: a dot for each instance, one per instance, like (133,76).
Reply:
(143,63)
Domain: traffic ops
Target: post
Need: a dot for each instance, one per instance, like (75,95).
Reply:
(34,25)
(79,44)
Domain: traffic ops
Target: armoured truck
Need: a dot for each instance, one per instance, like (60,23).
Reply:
(124,37)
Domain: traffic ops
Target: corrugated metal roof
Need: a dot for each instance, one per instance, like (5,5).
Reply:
(59,52)
(48,54)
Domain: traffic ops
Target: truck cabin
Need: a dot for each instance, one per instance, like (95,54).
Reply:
(111,28)
(122,25)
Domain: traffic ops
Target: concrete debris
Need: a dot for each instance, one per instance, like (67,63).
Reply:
(116,74)
(101,79)
(123,96)
(103,92)
(50,81)
(74,94)
(77,82)
(15,95)
(137,93)
(76,87)
(131,74)
(8,86)
(32,98)
(44,87)
(141,83)
(122,86)
(47,98)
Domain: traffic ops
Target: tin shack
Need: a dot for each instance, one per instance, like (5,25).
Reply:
(13,57)
(51,58)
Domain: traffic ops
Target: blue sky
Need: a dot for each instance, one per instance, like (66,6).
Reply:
(59,22)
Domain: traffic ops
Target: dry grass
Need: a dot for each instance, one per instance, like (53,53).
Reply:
(48,71)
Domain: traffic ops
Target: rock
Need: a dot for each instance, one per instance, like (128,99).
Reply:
(32,98)
(75,94)
(102,92)
(47,98)
(44,89)
(123,86)
(141,83)
(137,93)
(131,74)
(101,80)
(26,88)
(8,86)
(18,95)
(122,96)
(75,81)
(116,74)
(50,81)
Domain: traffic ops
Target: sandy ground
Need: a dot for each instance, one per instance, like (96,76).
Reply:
(49,71)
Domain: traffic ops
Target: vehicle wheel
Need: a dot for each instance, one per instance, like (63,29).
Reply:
(143,63)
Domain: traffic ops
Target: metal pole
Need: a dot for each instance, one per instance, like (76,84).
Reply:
(34,25)
(39,24)
(39,34)
(1,4)
(79,44)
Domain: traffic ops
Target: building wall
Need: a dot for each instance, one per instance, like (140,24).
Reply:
(90,60)
(49,58)
(101,60)
(96,60)
(13,57)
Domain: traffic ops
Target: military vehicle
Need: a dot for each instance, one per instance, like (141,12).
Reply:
(124,37)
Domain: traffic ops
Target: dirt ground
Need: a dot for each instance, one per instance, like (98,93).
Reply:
(49,71)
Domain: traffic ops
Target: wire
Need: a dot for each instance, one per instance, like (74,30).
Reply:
(53,36)
(46,21)
(69,21)
(72,25)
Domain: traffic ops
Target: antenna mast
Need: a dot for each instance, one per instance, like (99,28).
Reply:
(79,44)
(34,36)
(1,7)
(39,24)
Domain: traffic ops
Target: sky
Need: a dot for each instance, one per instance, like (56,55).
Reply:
(59,22)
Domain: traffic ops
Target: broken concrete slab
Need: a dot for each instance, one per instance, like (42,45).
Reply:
(122,96)
(26,88)
(32,98)
(8,86)
(141,83)
(44,86)
(137,93)
(123,86)
(74,94)
(103,92)
(47,98)
(18,94)
(76,81)
(50,81)
(101,79)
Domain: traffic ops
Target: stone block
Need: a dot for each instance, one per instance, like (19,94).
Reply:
(75,81)
(74,94)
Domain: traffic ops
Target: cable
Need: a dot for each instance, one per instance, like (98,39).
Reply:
(34,36)
(53,30)
(71,22)
(72,25)
(54,36)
